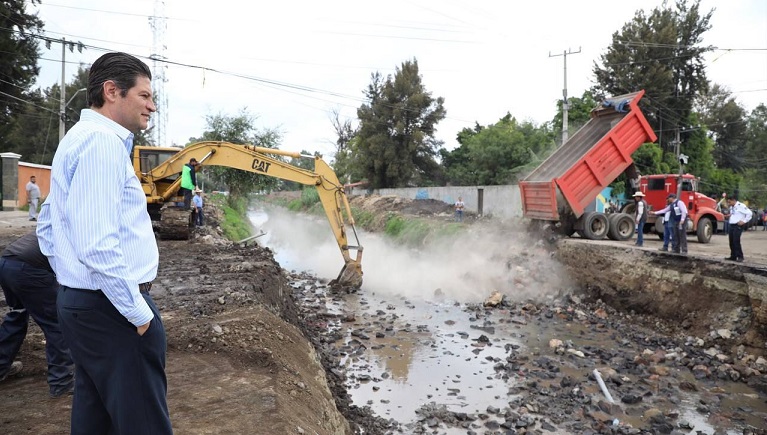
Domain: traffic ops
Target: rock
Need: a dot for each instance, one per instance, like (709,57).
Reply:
(555,343)
(218,330)
(659,370)
(221,300)
(652,412)
(631,399)
(700,371)
(494,300)
(711,352)
(575,352)
(724,333)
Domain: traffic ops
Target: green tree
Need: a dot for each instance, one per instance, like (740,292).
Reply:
(18,65)
(726,121)
(756,139)
(33,132)
(344,158)
(659,52)
(396,144)
(239,129)
(501,153)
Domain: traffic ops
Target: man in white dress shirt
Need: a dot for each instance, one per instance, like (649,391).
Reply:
(106,257)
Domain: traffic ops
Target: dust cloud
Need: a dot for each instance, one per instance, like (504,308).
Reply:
(466,268)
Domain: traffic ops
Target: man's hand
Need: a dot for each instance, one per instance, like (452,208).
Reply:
(741,223)
(143,328)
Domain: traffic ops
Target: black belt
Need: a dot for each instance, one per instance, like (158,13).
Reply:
(145,287)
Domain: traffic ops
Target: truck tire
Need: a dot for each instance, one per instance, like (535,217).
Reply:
(630,208)
(595,225)
(621,226)
(705,230)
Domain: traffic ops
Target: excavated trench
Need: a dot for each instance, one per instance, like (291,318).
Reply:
(417,351)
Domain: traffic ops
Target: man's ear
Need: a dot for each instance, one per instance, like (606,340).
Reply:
(111,91)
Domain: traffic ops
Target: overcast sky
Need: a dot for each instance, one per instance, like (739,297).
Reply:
(291,62)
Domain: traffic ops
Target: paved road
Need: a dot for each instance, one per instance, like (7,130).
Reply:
(15,219)
(754,245)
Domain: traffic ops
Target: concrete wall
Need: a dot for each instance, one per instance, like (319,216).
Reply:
(10,180)
(498,201)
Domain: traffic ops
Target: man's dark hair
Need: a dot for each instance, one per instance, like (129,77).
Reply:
(192,160)
(121,68)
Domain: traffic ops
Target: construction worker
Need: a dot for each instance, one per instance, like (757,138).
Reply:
(188,181)
(197,200)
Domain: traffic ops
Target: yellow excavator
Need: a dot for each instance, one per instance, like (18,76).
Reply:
(159,170)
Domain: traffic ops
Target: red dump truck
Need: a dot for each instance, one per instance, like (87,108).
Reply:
(567,182)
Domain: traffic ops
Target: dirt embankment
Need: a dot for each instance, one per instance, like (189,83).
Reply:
(237,361)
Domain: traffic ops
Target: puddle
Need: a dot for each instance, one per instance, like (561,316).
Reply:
(401,353)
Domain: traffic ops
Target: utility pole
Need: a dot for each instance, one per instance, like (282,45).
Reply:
(683,160)
(63,103)
(564,92)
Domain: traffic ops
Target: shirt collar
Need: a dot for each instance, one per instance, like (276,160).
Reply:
(123,133)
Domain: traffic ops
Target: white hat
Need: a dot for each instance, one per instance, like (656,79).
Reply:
(638,194)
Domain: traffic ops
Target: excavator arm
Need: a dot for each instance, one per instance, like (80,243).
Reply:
(162,182)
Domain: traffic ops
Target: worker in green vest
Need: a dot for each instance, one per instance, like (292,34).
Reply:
(188,181)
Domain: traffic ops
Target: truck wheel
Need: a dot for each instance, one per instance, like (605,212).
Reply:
(621,226)
(595,225)
(630,208)
(705,230)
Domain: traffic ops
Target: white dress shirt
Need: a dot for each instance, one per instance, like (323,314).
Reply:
(96,229)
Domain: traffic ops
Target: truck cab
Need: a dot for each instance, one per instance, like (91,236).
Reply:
(703,216)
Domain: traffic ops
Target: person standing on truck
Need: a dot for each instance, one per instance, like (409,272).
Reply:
(188,181)
(459,206)
(30,288)
(106,258)
(738,216)
(33,197)
(641,216)
(677,213)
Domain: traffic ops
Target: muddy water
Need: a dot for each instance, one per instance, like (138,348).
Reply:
(403,352)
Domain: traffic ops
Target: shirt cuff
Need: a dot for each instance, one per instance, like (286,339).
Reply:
(140,314)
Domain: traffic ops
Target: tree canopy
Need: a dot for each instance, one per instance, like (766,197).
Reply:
(659,52)
(18,64)
(238,129)
(396,144)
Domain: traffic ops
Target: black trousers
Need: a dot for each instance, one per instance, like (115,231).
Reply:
(30,291)
(736,251)
(120,383)
(187,197)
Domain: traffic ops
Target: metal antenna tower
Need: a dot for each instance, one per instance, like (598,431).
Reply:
(159,24)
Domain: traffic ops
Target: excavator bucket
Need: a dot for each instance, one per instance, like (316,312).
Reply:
(350,278)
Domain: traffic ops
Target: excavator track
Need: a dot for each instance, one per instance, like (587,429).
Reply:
(174,223)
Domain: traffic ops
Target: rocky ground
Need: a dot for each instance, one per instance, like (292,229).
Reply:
(254,349)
